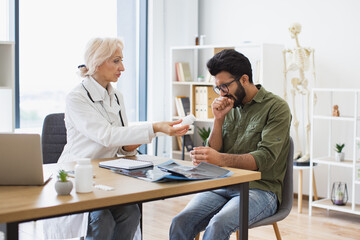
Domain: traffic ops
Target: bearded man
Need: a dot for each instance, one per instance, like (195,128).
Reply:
(251,130)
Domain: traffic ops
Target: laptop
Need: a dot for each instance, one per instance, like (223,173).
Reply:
(21,160)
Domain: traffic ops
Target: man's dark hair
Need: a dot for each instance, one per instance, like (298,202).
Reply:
(232,62)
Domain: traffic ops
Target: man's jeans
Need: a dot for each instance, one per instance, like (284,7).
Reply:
(217,212)
(114,223)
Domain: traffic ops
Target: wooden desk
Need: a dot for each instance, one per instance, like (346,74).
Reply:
(26,203)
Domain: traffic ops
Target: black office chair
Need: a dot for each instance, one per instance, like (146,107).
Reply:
(53,137)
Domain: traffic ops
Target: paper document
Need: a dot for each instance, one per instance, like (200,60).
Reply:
(124,163)
(202,171)
(170,170)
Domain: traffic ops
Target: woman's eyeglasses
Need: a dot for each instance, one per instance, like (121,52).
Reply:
(224,87)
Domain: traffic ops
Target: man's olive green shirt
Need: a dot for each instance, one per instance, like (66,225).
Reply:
(261,128)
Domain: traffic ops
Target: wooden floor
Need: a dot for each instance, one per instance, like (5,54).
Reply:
(321,225)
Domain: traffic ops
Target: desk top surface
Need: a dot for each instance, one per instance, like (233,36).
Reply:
(21,203)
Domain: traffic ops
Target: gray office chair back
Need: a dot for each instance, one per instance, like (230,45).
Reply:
(287,194)
(53,137)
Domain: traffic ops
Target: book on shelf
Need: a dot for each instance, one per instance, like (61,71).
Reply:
(189,145)
(204,96)
(186,72)
(211,95)
(179,107)
(256,72)
(183,73)
(196,102)
(185,101)
(182,106)
(179,142)
(209,78)
(177,70)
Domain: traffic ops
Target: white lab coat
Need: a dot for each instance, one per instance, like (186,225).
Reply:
(94,130)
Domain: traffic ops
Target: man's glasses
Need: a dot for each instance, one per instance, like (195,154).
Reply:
(224,87)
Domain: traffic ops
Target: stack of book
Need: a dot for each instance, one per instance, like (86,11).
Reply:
(183,73)
(204,96)
(182,104)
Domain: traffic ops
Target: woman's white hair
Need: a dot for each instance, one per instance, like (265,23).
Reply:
(98,50)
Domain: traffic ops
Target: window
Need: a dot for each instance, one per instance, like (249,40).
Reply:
(4,20)
(53,35)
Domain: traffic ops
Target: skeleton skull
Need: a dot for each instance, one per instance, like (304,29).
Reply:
(295,29)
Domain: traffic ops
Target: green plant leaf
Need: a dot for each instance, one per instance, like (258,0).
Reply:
(62,175)
(204,133)
(339,147)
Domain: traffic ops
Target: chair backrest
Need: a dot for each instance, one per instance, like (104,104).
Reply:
(287,193)
(53,138)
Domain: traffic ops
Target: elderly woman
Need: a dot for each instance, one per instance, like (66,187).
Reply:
(97,127)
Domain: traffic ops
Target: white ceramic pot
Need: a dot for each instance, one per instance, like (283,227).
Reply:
(339,156)
(63,188)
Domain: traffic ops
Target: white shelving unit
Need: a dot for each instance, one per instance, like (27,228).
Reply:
(7,85)
(339,129)
(267,65)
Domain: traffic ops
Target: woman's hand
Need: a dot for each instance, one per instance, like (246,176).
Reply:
(169,129)
(130,148)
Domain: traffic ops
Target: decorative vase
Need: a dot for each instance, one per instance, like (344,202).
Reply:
(63,188)
(339,156)
(339,193)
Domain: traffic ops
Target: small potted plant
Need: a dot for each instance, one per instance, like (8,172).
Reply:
(204,134)
(63,186)
(339,155)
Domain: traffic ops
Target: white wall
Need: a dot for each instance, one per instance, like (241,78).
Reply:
(331,27)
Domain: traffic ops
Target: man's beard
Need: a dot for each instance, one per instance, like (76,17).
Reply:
(239,96)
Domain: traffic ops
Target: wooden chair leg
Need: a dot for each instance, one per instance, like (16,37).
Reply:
(197,237)
(300,184)
(277,232)
(314,187)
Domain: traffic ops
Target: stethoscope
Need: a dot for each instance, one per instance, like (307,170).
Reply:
(108,117)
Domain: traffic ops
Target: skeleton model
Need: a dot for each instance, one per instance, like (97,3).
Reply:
(298,60)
